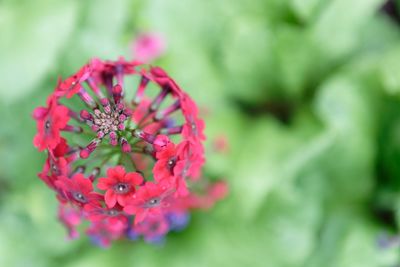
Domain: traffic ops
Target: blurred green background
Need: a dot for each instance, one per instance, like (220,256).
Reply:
(307,92)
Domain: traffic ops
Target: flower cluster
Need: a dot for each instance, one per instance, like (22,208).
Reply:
(124,152)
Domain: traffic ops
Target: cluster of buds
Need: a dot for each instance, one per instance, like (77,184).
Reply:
(124,151)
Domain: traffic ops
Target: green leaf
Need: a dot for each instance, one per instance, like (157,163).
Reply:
(99,34)
(389,67)
(337,29)
(345,107)
(249,60)
(33,34)
(306,9)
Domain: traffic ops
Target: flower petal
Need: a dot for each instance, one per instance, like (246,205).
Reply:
(111,198)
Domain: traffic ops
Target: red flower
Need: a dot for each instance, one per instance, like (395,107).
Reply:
(166,161)
(96,212)
(193,130)
(102,233)
(121,66)
(157,133)
(194,127)
(72,85)
(153,227)
(119,185)
(77,189)
(61,149)
(161,142)
(148,201)
(192,154)
(50,120)
(189,107)
(161,78)
(53,168)
(56,165)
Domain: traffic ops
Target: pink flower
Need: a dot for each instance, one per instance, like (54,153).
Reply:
(102,233)
(148,201)
(56,165)
(193,130)
(189,107)
(194,127)
(78,189)
(52,169)
(119,185)
(148,47)
(71,218)
(161,78)
(153,227)
(161,142)
(72,85)
(154,132)
(61,149)
(121,66)
(166,160)
(96,212)
(50,120)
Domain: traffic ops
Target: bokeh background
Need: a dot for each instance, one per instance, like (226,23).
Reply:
(305,92)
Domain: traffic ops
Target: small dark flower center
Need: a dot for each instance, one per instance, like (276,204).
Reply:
(154,202)
(78,196)
(121,188)
(54,167)
(194,128)
(171,163)
(47,125)
(112,212)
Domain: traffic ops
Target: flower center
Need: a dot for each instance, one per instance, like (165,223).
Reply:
(54,167)
(78,196)
(154,202)
(107,122)
(112,212)
(121,188)
(171,163)
(47,125)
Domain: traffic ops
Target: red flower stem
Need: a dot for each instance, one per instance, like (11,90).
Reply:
(74,115)
(117,93)
(144,118)
(147,123)
(167,111)
(144,81)
(94,88)
(171,131)
(120,79)
(147,137)
(108,83)
(155,105)
(73,129)
(85,152)
(95,173)
(87,98)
